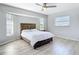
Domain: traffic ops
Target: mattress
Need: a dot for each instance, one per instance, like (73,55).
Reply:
(35,36)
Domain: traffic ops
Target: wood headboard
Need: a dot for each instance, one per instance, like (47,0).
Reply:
(24,26)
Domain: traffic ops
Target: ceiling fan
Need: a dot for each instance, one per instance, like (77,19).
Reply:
(45,6)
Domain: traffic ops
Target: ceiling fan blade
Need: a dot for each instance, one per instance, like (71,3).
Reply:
(44,4)
(38,4)
(50,6)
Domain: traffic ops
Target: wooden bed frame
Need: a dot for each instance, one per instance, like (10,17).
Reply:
(24,26)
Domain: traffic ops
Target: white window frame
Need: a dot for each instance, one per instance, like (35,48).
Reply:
(62,21)
(42,25)
(9,24)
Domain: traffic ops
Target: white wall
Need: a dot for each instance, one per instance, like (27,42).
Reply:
(3,36)
(4,9)
(2,27)
(69,32)
(22,19)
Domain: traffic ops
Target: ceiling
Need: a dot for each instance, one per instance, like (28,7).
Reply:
(33,7)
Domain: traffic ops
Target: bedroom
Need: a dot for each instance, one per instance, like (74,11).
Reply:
(65,38)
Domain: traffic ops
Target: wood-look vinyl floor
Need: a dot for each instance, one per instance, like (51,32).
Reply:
(58,46)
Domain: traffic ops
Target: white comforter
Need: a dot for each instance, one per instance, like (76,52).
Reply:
(35,36)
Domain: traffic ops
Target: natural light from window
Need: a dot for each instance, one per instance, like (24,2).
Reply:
(41,24)
(9,24)
(62,21)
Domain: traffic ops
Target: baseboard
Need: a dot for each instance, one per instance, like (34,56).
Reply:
(3,43)
(65,37)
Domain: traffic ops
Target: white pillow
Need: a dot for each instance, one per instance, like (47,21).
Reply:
(26,30)
(34,30)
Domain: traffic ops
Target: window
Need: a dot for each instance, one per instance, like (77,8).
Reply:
(62,21)
(41,24)
(9,24)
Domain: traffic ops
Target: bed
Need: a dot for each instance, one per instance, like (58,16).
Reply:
(33,36)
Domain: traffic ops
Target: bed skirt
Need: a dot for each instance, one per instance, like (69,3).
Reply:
(39,43)
(43,42)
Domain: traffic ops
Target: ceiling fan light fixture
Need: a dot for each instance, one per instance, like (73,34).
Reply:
(44,9)
(45,6)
